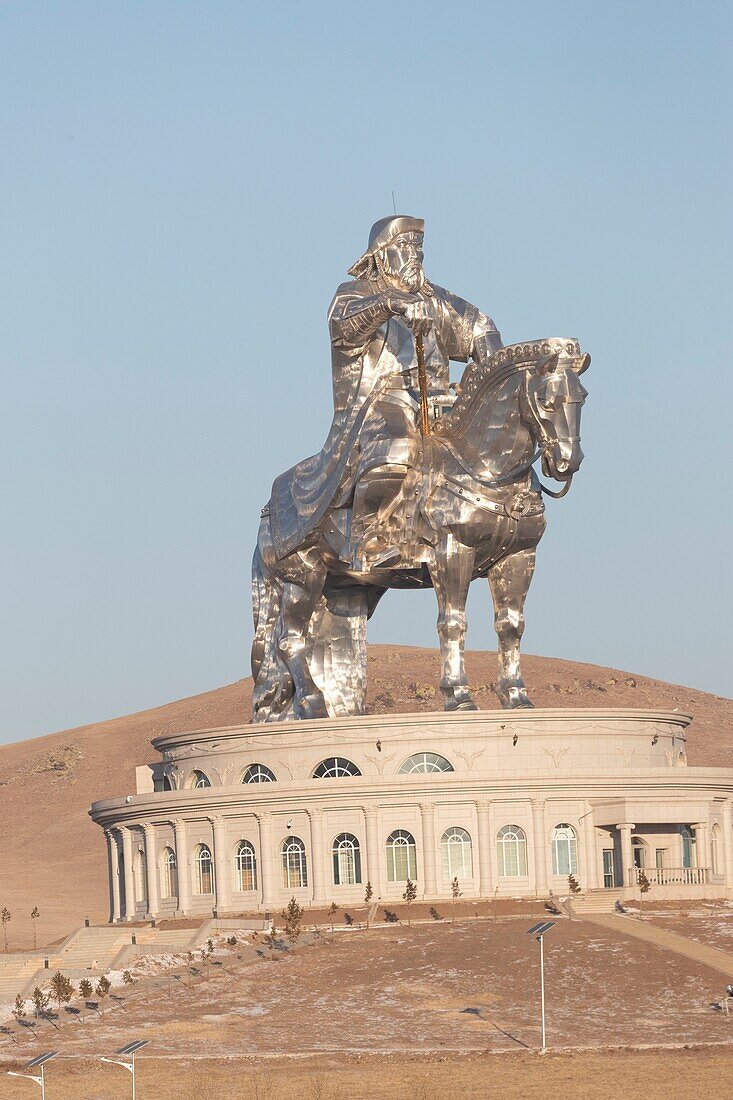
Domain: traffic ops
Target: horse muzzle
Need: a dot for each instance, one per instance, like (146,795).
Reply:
(562,459)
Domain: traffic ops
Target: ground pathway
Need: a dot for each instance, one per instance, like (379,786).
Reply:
(667,940)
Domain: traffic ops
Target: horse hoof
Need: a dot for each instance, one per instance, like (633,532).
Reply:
(312,706)
(464,703)
(514,698)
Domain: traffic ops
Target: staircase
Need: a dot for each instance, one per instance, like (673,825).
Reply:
(15,973)
(597,901)
(101,945)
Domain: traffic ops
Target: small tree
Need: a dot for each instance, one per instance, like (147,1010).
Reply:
(368,895)
(103,987)
(293,916)
(4,919)
(644,887)
(34,917)
(409,896)
(127,978)
(456,893)
(573,886)
(61,990)
(206,953)
(189,967)
(19,1007)
(41,1001)
(85,991)
(333,910)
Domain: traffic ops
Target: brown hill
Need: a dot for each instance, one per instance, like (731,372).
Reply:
(54,856)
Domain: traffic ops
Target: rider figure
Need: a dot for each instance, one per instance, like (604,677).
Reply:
(373,322)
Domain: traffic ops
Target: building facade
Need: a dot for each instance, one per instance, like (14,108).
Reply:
(240,819)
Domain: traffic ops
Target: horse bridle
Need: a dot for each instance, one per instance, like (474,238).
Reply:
(546,441)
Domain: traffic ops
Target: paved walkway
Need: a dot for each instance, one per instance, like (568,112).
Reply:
(669,941)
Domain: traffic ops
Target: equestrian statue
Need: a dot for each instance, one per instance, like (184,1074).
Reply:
(419,484)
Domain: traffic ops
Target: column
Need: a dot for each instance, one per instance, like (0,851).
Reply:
(539,844)
(373,854)
(484,841)
(591,852)
(222,891)
(701,846)
(113,857)
(318,875)
(151,867)
(182,867)
(627,854)
(728,842)
(129,878)
(267,863)
(430,887)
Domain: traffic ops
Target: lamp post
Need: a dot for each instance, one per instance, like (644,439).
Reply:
(37,1063)
(538,931)
(130,1049)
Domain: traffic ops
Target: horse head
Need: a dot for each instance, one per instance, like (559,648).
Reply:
(554,397)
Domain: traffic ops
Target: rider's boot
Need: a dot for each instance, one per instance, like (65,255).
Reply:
(375,495)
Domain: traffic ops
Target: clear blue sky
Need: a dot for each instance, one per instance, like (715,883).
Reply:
(183,185)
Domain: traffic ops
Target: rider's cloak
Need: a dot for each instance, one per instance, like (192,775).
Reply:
(372,354)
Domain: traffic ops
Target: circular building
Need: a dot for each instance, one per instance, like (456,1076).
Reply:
(509,803)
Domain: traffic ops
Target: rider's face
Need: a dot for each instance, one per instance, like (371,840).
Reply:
(402,260)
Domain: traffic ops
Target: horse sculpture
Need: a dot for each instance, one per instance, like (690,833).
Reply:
(473,509)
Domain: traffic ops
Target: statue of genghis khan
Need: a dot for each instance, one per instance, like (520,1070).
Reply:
(414,487)
(374,321)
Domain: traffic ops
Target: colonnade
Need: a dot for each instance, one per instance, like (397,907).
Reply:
(373,863)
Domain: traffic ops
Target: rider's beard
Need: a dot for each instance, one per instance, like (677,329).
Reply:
(412,277)
(409,278)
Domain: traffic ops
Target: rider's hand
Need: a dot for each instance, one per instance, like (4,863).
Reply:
(416,311)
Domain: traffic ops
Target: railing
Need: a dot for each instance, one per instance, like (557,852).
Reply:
(671,876)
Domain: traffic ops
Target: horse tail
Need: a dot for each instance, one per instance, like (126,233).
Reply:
(268,672)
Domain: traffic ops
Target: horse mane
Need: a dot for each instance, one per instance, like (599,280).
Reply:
(478,379)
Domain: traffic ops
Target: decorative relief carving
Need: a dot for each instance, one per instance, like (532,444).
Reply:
(379,762)
(626,754)
(469,757)
(556,755)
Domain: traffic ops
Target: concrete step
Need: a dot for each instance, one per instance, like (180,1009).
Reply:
(597,901)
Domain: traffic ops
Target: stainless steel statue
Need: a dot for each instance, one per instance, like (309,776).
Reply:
(416,486)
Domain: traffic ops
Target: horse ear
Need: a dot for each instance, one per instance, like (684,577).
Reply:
(583,364)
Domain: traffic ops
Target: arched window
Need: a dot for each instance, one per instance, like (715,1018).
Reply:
(511,844)
(638,852)
(199,779)
(564,850)
(246,866)
(688,847)
(715,849)
(401,856)
(422,762)
(141,885)
(295,867)
(162,783)
(169,874)
(258,773)
(203,874)
(346,860)
(456,856)
(335,767)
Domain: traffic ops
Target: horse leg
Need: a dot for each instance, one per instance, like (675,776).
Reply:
(451,572)
(298,602)
(509,580)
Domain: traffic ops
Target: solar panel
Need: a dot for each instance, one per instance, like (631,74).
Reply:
(541,928)
(40,1059)
(131,1048)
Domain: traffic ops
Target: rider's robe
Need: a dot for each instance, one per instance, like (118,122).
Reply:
(374,368)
